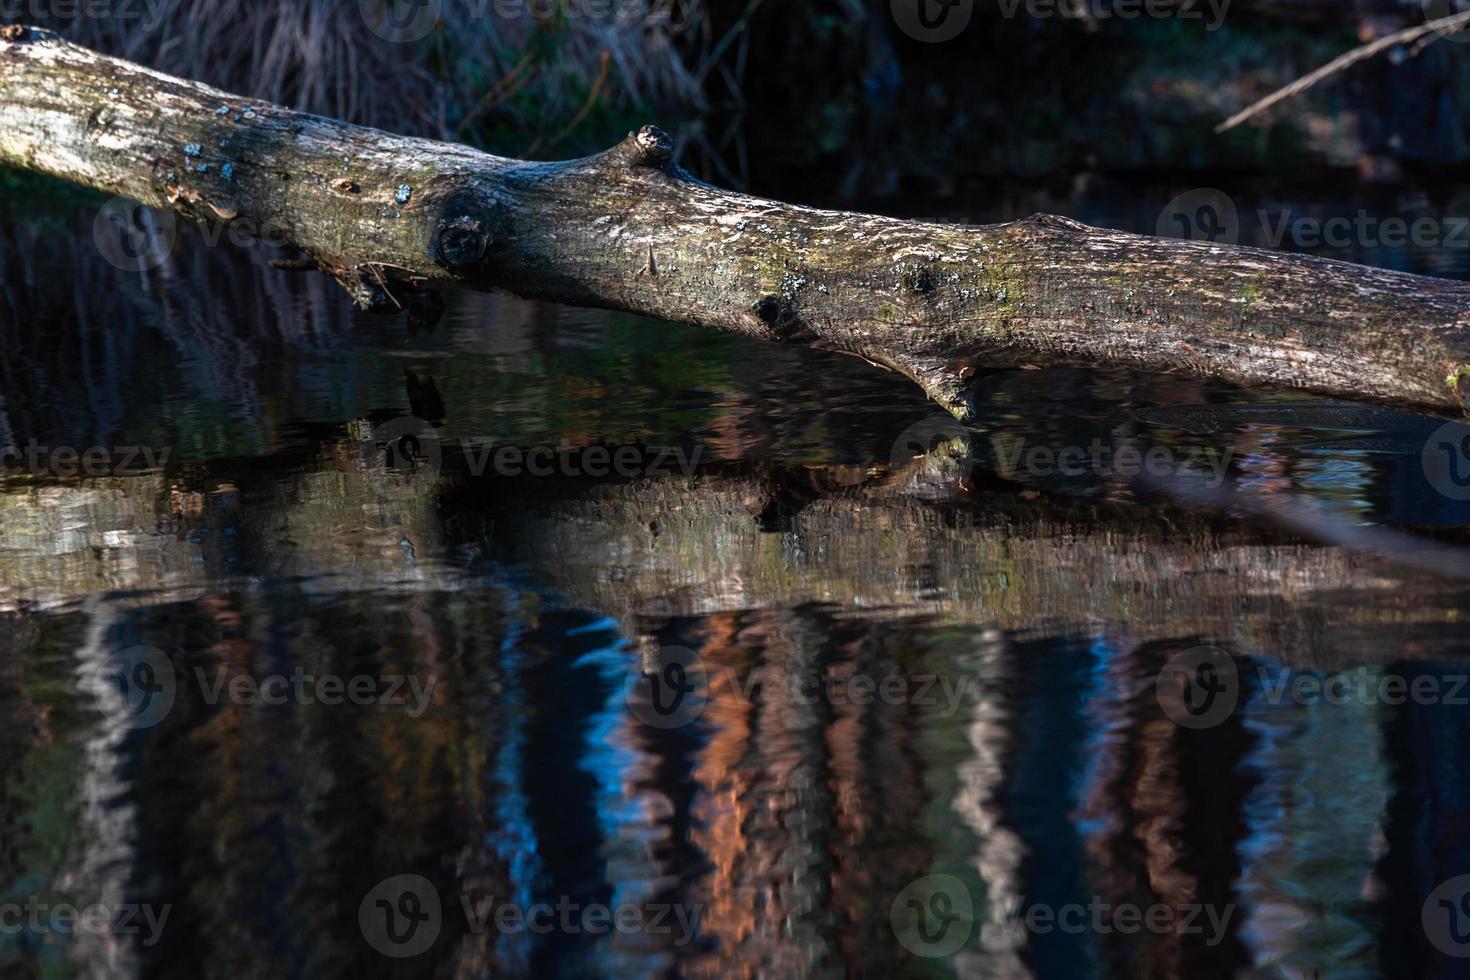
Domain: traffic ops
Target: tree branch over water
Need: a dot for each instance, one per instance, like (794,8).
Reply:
(394,218)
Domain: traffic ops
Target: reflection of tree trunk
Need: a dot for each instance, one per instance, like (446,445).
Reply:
(999,848)
(769,896)
(1324,784)
(725,804)
(1170,800)
(628,230)
(110,824)
(1426,827)
(812,809)
(263,847)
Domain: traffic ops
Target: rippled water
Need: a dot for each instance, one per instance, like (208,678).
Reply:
(304,677)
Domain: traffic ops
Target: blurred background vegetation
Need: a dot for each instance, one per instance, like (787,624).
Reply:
(830,98)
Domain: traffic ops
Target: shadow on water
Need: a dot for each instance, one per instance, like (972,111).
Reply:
(352,646)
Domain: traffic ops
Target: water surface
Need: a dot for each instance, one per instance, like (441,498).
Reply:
(899,666)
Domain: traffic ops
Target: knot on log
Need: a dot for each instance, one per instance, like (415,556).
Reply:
(771,310)
(467,228)
(654,146)
(463,241)
(781,318)
(919,279)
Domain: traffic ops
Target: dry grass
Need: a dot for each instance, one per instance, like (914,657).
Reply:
(479,75)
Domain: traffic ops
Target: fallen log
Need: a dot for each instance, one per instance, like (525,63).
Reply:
(393,218)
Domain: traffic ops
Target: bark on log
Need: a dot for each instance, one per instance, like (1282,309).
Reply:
(393,217)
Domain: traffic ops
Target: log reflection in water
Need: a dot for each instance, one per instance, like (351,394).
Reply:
(274,541)
(675,547)
(791,824)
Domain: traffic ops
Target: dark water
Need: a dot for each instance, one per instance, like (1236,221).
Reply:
(300,681)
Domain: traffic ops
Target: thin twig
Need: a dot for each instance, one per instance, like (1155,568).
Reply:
(1445,25)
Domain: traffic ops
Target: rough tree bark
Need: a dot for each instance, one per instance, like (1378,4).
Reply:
(392,218)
